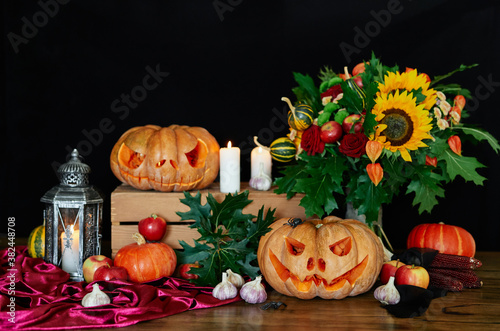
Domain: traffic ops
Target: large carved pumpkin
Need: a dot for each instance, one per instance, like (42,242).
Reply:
(330,258)
(174,158)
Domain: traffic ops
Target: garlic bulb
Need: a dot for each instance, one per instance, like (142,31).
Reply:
(387,294)
(236,279)
(225,289)
(96,297)
(254,291)
(261,182)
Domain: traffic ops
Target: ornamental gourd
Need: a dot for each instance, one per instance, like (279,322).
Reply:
(300,117)
(36,242)
(146,261)
(174,158)
(330,258)
(283,149)
(447,239)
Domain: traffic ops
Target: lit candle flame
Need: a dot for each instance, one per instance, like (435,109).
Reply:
(229,144)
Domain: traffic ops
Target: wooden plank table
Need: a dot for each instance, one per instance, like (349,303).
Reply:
(471,309)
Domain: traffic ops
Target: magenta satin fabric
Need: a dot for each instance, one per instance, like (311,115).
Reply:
(46,300)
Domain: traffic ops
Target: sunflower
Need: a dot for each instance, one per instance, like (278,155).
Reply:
(410,81)
(403,123)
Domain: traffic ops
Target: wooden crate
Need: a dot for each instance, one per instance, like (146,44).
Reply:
(129,206)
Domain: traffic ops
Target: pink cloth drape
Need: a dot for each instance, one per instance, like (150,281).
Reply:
(35,295)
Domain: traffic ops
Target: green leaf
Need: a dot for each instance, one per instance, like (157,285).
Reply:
(287,183)
(369,198)
(318,189)
(229,238)
(248,267)
(198,212)
(192,254)
(307,91)
(457,165)
(426,191)
(480,135)
(350,99)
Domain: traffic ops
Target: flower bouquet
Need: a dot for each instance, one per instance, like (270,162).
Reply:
(366,136)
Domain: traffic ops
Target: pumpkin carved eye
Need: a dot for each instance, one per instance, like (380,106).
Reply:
(342,247)
(294,246)
(196,157)
(130,158)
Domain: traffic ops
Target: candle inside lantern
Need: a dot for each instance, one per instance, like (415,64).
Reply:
(229,169)
(70,248)
(260,157)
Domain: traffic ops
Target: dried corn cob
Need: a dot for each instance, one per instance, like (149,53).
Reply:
(445,282)
(455,262)
(468,277)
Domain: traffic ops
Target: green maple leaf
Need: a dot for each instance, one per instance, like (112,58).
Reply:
(480,135)
(318,189)
(427,190)
(191,254)
(464,166)
(198,212)
(287,183)
(248,267)
(335,167)
(229,239)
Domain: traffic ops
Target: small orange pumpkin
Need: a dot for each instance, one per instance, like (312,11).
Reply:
(330,258)
(446,238)
(174,158)
(146,261)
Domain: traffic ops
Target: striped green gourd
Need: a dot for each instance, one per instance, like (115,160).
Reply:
(36,242)
(300,117)
(283,149)
(355,87)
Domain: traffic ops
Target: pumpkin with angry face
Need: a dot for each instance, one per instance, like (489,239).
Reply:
(174,158)
(330,258)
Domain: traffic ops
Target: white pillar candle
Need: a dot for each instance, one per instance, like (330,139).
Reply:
(229,169)
(70,255)
(260,156)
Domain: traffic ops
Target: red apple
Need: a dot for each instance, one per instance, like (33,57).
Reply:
(412,275)
(389,269)
(107,272)
(331,132)
(153,228)
(91,264)
(183,270)
(352,120)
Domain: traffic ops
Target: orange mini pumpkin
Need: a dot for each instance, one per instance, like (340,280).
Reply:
(146,261)
(330,258)
(174,158)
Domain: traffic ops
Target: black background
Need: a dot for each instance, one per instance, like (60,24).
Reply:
(228,68)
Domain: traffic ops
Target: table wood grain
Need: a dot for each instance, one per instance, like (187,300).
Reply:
(471,309)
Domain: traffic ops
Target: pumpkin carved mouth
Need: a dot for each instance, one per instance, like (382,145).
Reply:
(304,285)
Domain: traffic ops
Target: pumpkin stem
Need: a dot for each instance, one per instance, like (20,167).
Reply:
(259,144)
(139,238)
(292,108)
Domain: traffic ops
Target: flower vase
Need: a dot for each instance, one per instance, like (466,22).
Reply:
(352,213)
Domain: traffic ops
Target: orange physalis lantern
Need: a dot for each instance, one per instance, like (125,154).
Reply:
(375,172)
(455,144)
(432,161)
(373,150)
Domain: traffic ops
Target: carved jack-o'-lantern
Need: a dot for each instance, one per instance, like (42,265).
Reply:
(330,258)
(174,158)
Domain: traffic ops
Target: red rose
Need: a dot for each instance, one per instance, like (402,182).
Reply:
(333,92)
(353,144)
(311,141)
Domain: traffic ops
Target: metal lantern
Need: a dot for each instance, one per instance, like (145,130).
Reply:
(73,219)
